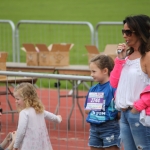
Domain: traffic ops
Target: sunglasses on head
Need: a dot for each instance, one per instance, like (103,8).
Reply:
(127,32)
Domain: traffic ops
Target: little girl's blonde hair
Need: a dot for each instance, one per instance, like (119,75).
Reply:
(28,92)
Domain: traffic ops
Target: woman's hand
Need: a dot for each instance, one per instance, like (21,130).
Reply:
(134,110)
(122,50)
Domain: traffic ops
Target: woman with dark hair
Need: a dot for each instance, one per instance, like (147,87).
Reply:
(131,77)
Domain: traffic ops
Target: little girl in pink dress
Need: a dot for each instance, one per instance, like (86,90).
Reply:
(32,132)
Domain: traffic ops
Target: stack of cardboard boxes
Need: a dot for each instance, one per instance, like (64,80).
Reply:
(41,55)
(58,54)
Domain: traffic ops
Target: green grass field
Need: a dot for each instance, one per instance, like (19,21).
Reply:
(92,11)
(72,10)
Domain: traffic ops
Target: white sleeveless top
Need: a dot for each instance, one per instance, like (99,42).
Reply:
(132,82)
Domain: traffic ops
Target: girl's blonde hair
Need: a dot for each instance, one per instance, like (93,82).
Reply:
(28,92)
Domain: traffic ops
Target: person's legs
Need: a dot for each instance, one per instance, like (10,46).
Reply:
(112,148)
(95,142)
(105,136)
(111,135)
(134,135)
(95,148)
(108,148)
(125,132)
(140,133)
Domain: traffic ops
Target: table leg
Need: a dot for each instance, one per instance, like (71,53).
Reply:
(8,91)
(73,104)
(75,97)
(78,104)
(58,101)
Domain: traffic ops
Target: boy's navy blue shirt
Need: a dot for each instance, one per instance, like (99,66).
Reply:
(109,112)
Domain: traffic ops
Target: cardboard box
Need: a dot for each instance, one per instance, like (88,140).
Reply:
(3,59)
(59,55)
(43,55)
(54,55)
(92,51)
(31,54)
(110,50)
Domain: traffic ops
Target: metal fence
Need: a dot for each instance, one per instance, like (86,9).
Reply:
(73,132)
(7,39)
(107,33)
(50,32)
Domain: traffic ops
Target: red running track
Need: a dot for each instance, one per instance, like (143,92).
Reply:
(60,136)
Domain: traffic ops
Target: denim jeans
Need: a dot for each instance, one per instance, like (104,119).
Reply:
(104,135)
(134,135)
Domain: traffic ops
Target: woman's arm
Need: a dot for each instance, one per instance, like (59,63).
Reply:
(147,63)
(119,61)
(144,101)
(115,73)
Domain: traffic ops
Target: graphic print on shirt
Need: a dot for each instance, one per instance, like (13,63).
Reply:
(96,103)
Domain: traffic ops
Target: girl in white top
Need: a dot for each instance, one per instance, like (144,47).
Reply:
(32,132)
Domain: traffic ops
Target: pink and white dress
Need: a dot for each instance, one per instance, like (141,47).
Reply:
(32,132)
